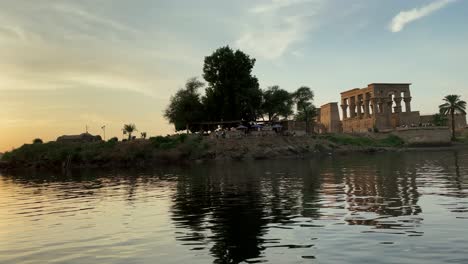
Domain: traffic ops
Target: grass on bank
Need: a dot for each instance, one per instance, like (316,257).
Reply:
(55,153)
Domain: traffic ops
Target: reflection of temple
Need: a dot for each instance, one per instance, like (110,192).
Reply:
(389,189)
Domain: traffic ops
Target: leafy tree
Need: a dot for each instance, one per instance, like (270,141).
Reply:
(439,120)
(233,92)
(303,97)
(129,129)
(276,102)
(37,141)
(185,106)
(305,114)
(452,105)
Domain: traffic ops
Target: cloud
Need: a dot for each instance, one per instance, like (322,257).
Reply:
(69,45)
(274,27)
(405,17)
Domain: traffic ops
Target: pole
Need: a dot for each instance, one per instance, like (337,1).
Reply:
(104,130)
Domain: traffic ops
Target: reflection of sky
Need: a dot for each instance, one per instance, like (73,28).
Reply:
(67,64)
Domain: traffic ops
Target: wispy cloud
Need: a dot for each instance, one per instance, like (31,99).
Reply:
(408,16)
(273,27)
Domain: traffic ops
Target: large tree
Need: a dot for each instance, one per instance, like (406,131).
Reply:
(453,104)
(233,92)
(304,97)
(276,102)
(185,106)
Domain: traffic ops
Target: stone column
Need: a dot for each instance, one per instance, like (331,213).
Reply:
(352,107)
(398,104)
(381,106)
(374,106)
(359,106)
(366,108)
(344,107)
(389,102)
(407,104)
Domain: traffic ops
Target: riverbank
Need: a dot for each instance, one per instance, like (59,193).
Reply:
(189,148)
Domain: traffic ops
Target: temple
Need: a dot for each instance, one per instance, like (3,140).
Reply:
(379,106)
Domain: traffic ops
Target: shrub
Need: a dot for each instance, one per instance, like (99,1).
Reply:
(37,141)
(114,139)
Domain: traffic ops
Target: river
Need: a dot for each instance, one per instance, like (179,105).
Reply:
(362,208)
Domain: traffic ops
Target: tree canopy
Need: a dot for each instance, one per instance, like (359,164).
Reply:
(276,102)
(185,106)
(233,92)
(303,97)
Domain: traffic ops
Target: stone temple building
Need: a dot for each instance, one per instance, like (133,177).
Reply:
(379,106)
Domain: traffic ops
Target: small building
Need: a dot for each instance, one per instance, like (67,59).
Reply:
(82,138)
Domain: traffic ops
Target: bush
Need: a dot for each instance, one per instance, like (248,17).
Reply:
(114,139)
(37,141)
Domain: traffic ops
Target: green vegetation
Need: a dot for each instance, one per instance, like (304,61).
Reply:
(232,93)
(305,109)
(453,104)
(37,141)
(185,106)
(341,139)
(129,129)
(128,153)
(439,120)
(276,102)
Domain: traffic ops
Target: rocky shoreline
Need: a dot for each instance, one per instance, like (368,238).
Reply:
(144,153)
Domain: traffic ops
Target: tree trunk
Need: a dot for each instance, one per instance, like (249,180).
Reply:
(129,136)
(453,124)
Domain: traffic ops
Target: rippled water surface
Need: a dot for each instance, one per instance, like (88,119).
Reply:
(381,208)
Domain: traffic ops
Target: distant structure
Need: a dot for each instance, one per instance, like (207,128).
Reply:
(378,107)
(328,117)
(82,138)
(460,121)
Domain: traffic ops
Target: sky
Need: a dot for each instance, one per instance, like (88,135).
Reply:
(68,64)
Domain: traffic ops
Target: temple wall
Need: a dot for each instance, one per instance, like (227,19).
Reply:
(408,119)
(424,135)
(330,118)
(357,125)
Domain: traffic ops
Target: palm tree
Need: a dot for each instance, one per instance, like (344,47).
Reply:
(129,129)
(452,105)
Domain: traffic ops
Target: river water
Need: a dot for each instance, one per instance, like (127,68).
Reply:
(361,208)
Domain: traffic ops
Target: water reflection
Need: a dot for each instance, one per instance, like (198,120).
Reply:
(234,208)
(237,212)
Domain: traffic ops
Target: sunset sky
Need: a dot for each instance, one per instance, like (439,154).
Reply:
(65,64)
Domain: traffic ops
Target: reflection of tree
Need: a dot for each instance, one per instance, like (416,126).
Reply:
(456,183)
(232,204)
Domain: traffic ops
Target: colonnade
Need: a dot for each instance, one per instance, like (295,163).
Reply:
(365,105)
